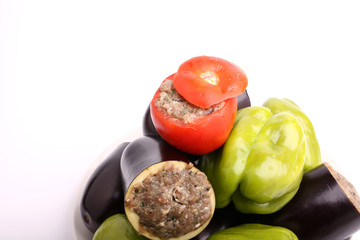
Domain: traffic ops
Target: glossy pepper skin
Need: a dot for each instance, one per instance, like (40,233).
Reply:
(246,205)
(260,166)
(313,155)
(254,232)
(225,168)
(276,160)
(117,227)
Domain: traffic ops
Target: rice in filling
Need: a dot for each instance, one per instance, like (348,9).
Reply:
(173,104)
(172,202)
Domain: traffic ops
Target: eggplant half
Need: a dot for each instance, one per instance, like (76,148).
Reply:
(103,195)
(326,206)
(166,197)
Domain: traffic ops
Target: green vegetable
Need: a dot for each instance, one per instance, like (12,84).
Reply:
(117,227)
(276,159)
(225,168)
(313,155)
(261,164)
(274,166)
(254,232)
(245,205)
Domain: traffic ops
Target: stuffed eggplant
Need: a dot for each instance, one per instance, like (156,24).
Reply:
(103,195)
(166,197)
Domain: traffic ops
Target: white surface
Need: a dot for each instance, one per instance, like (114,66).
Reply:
(80,231)
(68,70)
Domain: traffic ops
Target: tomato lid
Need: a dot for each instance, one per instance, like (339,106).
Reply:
(205,81)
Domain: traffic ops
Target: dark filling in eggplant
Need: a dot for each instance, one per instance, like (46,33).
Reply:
(172,202)
(173,104)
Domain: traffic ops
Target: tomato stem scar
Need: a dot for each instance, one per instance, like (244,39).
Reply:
(210,77)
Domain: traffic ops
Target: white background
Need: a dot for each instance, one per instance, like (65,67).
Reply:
(76,75)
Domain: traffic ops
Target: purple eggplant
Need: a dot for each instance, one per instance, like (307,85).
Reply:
(103,195)
(325,207)
(243,100)
(152,163)
(148,127)
(144,152)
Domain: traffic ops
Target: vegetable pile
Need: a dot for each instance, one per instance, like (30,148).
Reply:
(204,84)
(211,166)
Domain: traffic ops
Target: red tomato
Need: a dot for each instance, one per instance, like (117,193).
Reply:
(201,136)
(205,81)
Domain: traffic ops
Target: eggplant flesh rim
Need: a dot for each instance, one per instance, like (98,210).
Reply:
(151,170)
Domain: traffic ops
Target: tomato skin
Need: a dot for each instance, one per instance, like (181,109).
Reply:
(190,83)
(203,135)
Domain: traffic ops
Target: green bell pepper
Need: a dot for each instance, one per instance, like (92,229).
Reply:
(261,164)
(254,232)
(276,160)
(246,205)
(117,227)
(225,168)
(313,155)
(274,168)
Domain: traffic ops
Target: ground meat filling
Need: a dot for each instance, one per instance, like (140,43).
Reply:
(172,202)
(172,103)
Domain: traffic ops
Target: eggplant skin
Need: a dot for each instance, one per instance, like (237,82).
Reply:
(148,128)
(147,151)
(144,152)
(319,210)
(243,100)
(103,195)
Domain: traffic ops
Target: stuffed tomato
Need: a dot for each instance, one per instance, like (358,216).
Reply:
(205,81)
(194,109)
(187,127)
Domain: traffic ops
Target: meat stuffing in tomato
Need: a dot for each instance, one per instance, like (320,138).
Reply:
(194,109)
(190,128)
